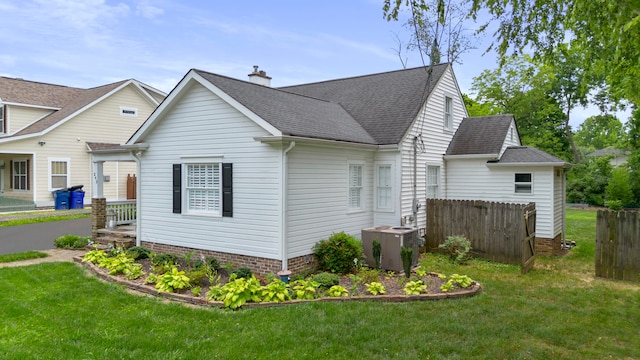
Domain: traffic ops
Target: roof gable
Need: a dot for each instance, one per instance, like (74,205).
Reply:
(482,135)
(68,101)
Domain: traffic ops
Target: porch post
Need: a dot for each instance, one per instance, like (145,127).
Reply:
(98,215)
(98,179)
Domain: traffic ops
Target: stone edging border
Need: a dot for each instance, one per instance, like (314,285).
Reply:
(476,288)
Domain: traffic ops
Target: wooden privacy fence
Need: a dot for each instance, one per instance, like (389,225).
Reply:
(497,231)
(131,186)
(618,245)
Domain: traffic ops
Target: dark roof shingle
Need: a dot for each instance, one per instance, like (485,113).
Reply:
(480,135)
(530,155)
(372,109)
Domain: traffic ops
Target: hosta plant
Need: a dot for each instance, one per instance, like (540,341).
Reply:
(94,256)
(305,290)
(238,291)
(133,271)
(337,291)
(461,281)
(375,288)
(117,264)
(172,280)
(415,287)
(276,291)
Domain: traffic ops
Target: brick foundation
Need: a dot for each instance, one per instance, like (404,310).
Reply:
(257,265)
(549,247)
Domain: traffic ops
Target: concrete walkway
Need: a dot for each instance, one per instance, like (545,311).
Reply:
(55,255)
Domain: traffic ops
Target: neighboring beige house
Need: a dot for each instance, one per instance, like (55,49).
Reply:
(46,129)
(617,156)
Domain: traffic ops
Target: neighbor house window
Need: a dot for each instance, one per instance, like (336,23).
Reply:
(433,182)
(203,188)
(448,113)
(355,186)
(384,189)
(2,120)
(523,183)
(20,175)
(58,174)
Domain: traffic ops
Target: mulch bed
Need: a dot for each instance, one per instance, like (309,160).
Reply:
(394,284)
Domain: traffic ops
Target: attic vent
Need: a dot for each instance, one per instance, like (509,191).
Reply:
(128,111)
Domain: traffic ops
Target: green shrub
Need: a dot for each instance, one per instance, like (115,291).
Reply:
(326,280)
(406,254)
(337,254)
(243,272)
(377,251)
(212,262)
(164,260)
(458,249)
(71,241)
(138,252)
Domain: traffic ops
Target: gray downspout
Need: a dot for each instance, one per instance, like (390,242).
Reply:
(136,156)
(283,217)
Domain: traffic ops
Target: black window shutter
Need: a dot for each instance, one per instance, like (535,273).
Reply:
(28,177)
(177,188)
(227,189)
(11,172)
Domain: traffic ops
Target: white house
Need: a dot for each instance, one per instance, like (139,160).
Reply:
(485,161)
(256,175)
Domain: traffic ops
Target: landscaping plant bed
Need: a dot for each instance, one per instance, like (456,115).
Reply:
(365,284)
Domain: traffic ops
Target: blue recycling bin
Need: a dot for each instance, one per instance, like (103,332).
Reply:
(61,198)
(76,199)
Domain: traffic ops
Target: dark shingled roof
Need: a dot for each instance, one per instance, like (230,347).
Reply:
(372,109)
(292,114)
(526,154)
(384,104)
(94,146)
(480,135)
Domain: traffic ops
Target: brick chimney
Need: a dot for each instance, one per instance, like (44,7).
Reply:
(259,77)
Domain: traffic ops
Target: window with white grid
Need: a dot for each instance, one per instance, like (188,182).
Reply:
(384,189)
(433,182)
(20,175)
(203,188)
(355,186)
(58,174)
(448,113)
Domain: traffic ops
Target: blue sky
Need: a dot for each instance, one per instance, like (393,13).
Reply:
(86,43)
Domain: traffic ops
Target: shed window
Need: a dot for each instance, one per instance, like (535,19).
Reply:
(523,183)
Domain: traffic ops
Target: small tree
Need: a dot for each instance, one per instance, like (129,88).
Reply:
(619,193)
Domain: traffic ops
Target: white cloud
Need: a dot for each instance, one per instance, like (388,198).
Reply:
(146,10)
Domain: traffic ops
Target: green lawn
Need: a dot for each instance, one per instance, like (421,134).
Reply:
(558,311)
(26,255)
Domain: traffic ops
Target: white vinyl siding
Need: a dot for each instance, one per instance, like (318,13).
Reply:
(448,113)
(355,186)
(202,125)
(496,183)
(203,189)
(523,183)
(59,173)
(433,140)
(433,182)
(384,189)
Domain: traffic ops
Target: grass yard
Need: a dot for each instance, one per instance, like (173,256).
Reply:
(558,311)
(26,255)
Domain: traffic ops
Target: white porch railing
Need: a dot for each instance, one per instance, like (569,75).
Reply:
(125,211)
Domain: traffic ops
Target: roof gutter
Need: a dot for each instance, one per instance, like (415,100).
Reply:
(563,164)
(316,141)
(283,207)
(471,156)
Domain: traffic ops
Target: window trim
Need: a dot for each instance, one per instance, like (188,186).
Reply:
(390,186)
(3,119)
(50,174)
(187,162)
(428,184)
(448,114)
(361,186)
(523,184)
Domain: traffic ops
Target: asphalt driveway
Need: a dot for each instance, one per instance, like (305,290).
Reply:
(40,236)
